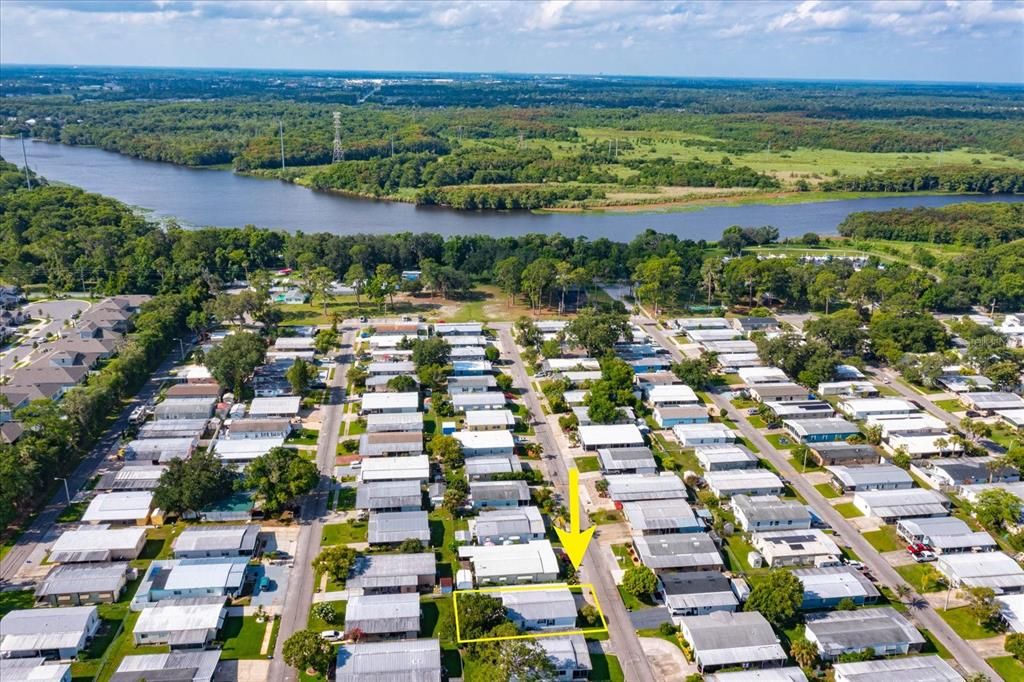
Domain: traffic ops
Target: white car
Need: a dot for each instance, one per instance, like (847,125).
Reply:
(331,635)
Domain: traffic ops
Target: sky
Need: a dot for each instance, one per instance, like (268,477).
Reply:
(933,40)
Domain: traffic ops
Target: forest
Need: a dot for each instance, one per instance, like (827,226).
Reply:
(465,141)
(976,225)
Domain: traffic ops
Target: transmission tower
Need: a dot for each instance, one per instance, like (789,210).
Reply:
(339,152)
(280,128)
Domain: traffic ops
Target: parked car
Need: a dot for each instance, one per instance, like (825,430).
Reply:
(973,414)
(331,635)
(925,557)
(265,584)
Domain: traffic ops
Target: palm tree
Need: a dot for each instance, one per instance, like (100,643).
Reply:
(710,274)
(903,591)
(941,444)
(804,652)
(873,434)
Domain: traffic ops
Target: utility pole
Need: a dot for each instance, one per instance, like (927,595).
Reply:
(520,139)
(338,153)
(24,155)
(392,145)
(280,128)
(67,492)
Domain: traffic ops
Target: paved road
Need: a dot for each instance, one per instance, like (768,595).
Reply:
(95,462)
(595,568)
(925,615)
(299,595)
(59,312)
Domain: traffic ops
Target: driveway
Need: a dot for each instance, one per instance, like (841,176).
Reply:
(278,574)
(666,659)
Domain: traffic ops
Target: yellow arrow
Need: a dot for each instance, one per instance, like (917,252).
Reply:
(575,542)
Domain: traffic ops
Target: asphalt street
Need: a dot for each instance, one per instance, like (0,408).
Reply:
(299,593)
(594,569)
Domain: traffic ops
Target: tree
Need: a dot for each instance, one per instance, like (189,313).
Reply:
(410,546)
(307,650)
(536,279)
(356,276)
(503,382)
(508,275)
(823,290)
(659,279)
(981,603)
(639,581)
(319,283)
(711,276)
(841,331)
(804,652)
(996,507)
(336,561)
(846,604)
(777,597)
(901,458)
(300,375)
(433,350)
(190,485)
(234,360)
(694,372)
(279,477)
(448,450)
(568,277)
(491,353)
(326,612)
(479,614)
(403,383)
(325,341)
(1014,645)
(456,495)
(597,332)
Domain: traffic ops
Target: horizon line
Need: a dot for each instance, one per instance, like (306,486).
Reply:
(504,72)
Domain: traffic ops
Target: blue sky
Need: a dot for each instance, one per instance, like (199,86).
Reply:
(945,40)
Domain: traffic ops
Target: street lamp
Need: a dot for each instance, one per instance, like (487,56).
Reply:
(67,493)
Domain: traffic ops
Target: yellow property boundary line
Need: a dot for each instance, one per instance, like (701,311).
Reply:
(533,635)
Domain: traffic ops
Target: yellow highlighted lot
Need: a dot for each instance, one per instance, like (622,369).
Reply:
(531,635)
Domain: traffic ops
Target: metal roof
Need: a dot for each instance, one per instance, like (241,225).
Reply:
(610,435)
(488,465)
(127,506)
(522,521)
(499,490)
(870,474)
(180,616)
(726,638)
(839,631)
(38,629)
(567,653)
(910,669)
(417,660)
(908,502)
(814,427)
(91,539)
(678,550)
(671,514)
(385,527)
(632,487)
(176,666)
(626,458)
(379,401)
(83,578)
(485,440)
(834,582)
(529,559)
(383,613)
(759,508)
(210,538)
(389,494)
(552,602)
(391,569)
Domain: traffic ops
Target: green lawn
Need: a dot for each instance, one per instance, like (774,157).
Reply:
(737,549)
(442,539)
(966,625)
(303,437)
(922,577)
(73,512)
(622,555)
(242,637)
(633,603)
(588,463)
(357,427)
(12,601)
(346,498)
(798,464)
(780,441)
(319,625)
(604,516)
(756,422)
(606,668)
(848,510)
(344,533)
(748,445)
(1007,667)
(950,405)
(884,539)
(827,491)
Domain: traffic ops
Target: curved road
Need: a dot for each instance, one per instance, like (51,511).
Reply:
(884,573)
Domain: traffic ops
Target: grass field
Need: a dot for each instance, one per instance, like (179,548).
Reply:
(848,510)
(1008,668)
(317,624)
(588,463)
(344,533)
(606,668)
(922,577)
(966,625)
(780,441)
(827,491)
(12,601)
(242,637)
(884,539)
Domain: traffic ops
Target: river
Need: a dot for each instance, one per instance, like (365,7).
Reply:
(200,197)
